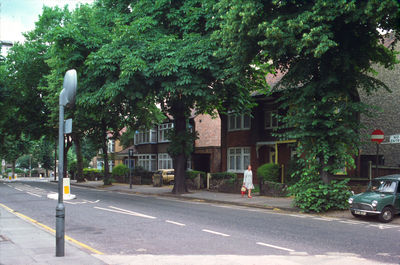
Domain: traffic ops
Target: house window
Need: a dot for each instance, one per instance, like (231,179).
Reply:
(111,146)
(146,136)
(270,119)
(148,162)
(238,122)
(164,161)
(130,163)
(111,164)
(238,159)
(163,129)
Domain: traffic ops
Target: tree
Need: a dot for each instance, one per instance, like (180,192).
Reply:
(167,53)
(326,50)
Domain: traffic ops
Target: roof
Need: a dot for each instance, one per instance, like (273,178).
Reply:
(389,177)
(125,151)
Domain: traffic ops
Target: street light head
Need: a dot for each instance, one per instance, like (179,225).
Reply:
(67,95)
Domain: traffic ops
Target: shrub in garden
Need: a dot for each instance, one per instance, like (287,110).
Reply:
(192,174)
(92,174)
(312,194)
(269,172)
(223,175)
(120,170)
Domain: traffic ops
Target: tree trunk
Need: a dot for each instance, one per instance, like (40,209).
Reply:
(66,149)
(106,167)
(180,159)
(79,158)
(107,180)
(13,168)
(325,175)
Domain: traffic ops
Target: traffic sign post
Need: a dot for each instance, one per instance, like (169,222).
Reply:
(377,136)
(66,98)
(130,154)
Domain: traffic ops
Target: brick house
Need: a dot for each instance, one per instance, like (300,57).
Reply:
(245,140)
(248,140)
(151,146)
(386,118)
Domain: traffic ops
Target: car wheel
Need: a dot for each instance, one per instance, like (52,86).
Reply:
(386,215)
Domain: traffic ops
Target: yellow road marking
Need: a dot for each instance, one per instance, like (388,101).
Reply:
(51,230)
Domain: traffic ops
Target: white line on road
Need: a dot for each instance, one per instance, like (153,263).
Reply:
(215,233)
(34,194)
(276,247)
(18,189)
(175,223)
(118,210)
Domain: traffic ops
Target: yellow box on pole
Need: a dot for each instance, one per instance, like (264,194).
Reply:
(66,184)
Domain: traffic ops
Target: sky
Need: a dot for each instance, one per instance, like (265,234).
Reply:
(17,16)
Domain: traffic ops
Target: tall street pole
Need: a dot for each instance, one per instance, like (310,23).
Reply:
(67,98)
(60,210)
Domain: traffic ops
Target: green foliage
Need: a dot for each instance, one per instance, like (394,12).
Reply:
(120,170)
(91,174)
(269,172)
(191,174)
(223,175)
(327,50)
(312,194)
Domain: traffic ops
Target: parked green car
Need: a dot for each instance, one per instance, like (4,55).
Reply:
(382,198)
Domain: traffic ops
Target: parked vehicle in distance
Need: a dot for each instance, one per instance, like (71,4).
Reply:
(382,198)
(168,175)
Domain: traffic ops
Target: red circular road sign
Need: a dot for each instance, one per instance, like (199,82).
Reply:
(377,136)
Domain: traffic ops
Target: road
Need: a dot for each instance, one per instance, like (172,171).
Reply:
(119,224)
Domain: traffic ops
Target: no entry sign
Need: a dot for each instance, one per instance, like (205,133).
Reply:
(377,136)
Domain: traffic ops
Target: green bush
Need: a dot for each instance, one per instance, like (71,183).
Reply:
(16,171)
(91,174)
(120,170)
(192,174)
(316,196)
(269,172)
(223,175)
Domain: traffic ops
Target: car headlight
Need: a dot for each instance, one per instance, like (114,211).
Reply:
(374,203)
(351,200)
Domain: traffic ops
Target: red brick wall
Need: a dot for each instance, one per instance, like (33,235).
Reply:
(209,131)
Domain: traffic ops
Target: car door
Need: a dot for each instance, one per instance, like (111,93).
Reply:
(397,198)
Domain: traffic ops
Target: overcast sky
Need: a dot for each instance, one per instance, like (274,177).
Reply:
(17,16)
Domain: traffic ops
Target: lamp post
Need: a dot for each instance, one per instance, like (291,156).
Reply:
(67,98)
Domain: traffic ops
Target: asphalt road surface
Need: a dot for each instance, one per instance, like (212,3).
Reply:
(143,226)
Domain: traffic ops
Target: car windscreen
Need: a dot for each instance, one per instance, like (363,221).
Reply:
(387,186)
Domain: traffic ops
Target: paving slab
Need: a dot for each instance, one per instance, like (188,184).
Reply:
(22,242)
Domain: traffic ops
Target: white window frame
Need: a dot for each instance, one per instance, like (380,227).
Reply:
(238,159)
(111,146)
(270,121)
(165,161)
(237,122)
(147,161)
(145,136)
(162,131)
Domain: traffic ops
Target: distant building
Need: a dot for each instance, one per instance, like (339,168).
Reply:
(5,46)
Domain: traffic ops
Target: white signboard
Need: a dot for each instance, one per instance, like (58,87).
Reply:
(395,139)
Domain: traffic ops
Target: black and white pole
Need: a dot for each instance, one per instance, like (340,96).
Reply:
(67,98)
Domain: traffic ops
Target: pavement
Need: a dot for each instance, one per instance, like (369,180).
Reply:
(24,241)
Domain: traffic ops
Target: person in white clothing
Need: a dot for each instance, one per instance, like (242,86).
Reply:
(248,180)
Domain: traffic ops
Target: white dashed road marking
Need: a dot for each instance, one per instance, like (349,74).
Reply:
(215,233)
(33,194)
(276,247)
(175,223)
(123,211)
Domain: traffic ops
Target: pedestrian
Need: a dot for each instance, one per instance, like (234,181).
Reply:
(248,180)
